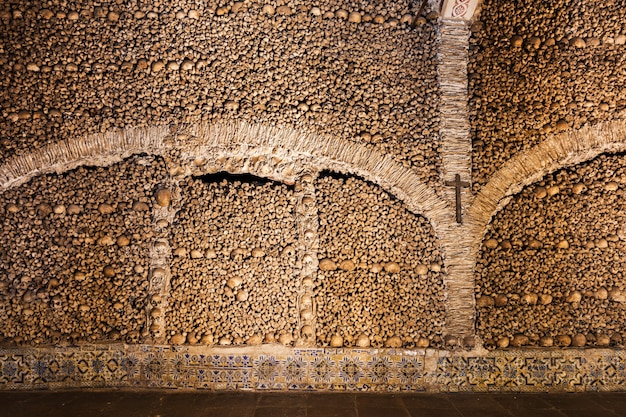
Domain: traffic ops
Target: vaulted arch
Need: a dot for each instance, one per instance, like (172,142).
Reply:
(560,151)
(274,152)
(237,140)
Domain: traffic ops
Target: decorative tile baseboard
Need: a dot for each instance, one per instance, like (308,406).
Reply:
(279,368)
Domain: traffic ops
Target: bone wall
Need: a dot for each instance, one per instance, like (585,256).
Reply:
(381,272)
(550,272)
(540,68)
(74,264)
(233,278)
(84,247)
(362,71)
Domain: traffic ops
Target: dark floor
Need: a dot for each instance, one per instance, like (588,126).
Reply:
(205,404)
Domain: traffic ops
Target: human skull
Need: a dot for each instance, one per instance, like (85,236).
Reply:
(161,247)
(158,277)
(307,334)
(43,295)
(57,302)
(306,301)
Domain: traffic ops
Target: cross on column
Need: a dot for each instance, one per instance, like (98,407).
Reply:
(457,185)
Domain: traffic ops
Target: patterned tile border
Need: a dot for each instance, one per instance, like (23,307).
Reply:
(312,369)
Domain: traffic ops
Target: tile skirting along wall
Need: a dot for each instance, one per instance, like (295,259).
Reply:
(318,369)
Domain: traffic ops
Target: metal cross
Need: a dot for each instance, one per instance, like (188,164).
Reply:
(457,185)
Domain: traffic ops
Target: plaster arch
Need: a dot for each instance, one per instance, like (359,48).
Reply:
(566,150)
(560,151)
(235,141)
(273,152)
(462,243)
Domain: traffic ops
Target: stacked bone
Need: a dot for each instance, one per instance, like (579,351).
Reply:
(550,271)
(381,280)
(74,263)
(233,278)
(538,68)
(362,71)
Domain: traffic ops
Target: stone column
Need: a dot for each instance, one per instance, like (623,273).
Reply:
(308,244)
(456,154)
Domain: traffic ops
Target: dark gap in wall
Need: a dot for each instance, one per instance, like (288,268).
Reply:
(341,176)
(221,176)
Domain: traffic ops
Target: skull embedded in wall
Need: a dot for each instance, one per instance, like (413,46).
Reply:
(21,284)
(288,252)
(307,334)
(57,302)
(307,179)
(309,237)
(306,301)
(43,295)
(308,262)
(158,277)
(307,207)
(132,336)
(161,247)
(28,297)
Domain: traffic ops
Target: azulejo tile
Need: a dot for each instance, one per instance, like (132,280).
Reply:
(13,369)
(568,373)
(41,369)
(380,370)
(538,372)
(66,367)
(181,370)
(602,373)
(129,366)
(312,369)
(482,373)
(230,378)
(410,372)
(322,370)
(509,376)
(154,369)
(452,373)
(295,371)
(267,372)
(615,371)
(351,370)
(266,368)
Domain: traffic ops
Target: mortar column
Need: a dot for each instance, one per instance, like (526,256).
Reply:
(456,155)
(166,198)
(308,243)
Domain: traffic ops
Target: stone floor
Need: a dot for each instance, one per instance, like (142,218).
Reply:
(206,404)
